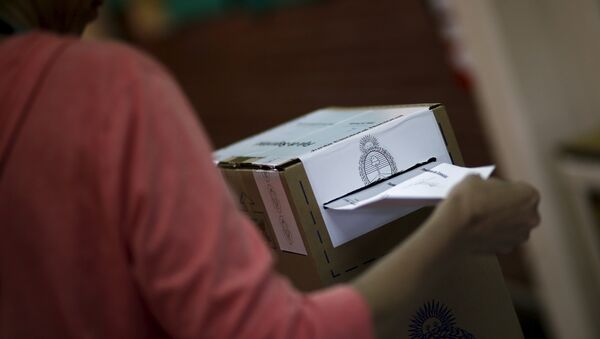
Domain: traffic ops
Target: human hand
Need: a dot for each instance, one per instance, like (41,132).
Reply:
(487,216)
(479,216)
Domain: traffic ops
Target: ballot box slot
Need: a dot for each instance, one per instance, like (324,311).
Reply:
(380,185)
(424,185)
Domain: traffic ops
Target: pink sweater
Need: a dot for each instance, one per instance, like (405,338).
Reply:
(114,222)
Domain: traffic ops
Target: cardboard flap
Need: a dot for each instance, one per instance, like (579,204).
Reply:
(309,133)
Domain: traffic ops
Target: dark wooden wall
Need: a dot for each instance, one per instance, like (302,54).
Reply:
(244,73)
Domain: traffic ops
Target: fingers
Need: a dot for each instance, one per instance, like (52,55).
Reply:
(480,197)
(504,246)
(511,246)
(506,242)
(490,216)
(513,195)
(530,195)
(529,213)
(497,215)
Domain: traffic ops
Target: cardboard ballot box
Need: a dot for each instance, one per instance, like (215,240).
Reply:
(290,178)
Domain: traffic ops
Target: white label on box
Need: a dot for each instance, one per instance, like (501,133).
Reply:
(348,165)
(311,132)
(279,211)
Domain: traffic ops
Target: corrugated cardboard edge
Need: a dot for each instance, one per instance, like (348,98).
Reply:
(447,133)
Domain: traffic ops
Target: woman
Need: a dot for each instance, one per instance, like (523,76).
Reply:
(115,223)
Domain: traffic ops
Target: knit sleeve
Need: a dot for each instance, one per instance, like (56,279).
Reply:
(201,266)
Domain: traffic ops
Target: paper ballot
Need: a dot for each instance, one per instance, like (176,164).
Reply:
(429,186)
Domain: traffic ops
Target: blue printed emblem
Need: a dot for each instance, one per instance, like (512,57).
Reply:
(436,321)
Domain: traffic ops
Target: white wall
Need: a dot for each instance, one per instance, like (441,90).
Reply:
(537,73)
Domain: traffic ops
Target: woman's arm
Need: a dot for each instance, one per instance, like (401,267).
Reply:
(479,217)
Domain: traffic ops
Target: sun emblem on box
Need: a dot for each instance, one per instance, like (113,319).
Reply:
(436,321)
(376,162)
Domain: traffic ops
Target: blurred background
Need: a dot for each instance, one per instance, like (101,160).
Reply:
(519,80)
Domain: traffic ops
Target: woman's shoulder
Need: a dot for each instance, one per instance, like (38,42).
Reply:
(95,59)
(102,56)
